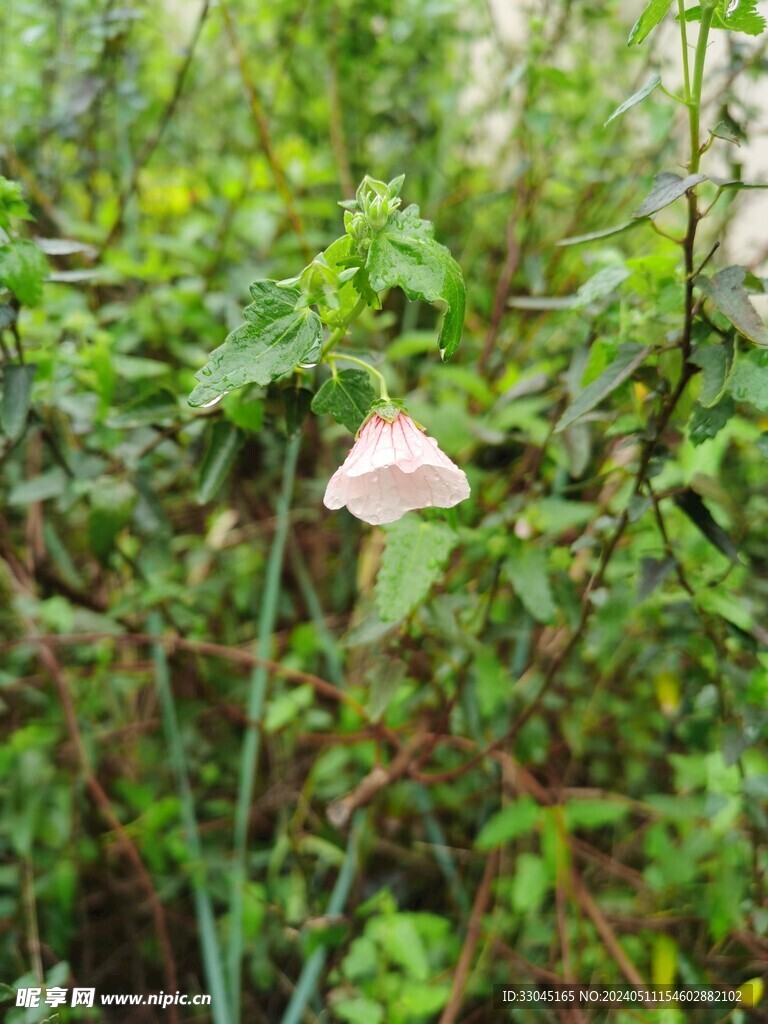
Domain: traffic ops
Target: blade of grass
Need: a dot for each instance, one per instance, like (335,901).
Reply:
(250,749)
(306,985)
(212,960)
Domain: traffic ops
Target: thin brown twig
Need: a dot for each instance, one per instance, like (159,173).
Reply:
(340,811)
(511,262)
(474,931)
(100,798)
(235,654)
(604,930)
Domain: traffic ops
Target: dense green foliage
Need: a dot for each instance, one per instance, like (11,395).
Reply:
(324,771)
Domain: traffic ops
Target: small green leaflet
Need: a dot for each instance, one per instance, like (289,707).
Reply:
(415,556)
(749,380)
(628,358)
(23,268)
(705,424)
(224,442)
(734,16)
(653,83)
(112,503)
(527,572)
(404,254)
(12,202)
(17,387)
(715,362)
(667,187)
(518,819)
(690,503)
(726,290)
(653,572)
(275,338)
(595,236)
(347,397)
(728,131)
(648,20)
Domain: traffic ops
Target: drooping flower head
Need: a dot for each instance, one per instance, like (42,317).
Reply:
(394,467)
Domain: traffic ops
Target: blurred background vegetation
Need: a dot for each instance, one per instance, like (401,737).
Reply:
(499,769)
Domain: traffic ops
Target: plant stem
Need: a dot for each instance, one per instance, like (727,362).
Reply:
(694,111)
(694,107)
(312,967)
(212,960)
(370,369)
(684,41)
(250,750)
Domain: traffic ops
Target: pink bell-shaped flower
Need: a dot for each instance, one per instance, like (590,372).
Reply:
(394,467)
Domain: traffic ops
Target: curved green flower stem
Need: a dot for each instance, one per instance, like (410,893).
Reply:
(213,963)
(250,750)
(367,366)
(312,967)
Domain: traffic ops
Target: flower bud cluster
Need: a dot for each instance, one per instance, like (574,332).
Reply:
(370,210)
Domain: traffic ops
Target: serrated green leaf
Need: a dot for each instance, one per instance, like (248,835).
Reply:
(654,13)
(653,83)
(527,572)
(628,358)
(347,397)
(275,338)
(518,819)
(715,362)
(23,268)
(733,16)
(404,254)
(224,441)
(12,202)
(726,290)
(415,556)
(17,388)
(749,379)
(667,187)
